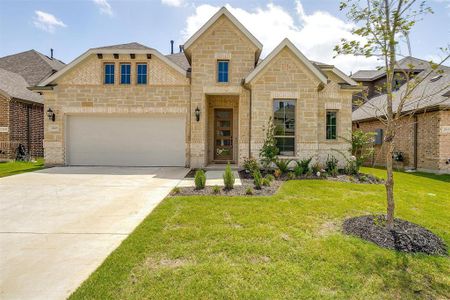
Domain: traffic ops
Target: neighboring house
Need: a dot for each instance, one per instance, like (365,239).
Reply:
(130,105)
(422,139)
(21,110)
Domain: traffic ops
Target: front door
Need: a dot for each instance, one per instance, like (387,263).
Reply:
(223,135)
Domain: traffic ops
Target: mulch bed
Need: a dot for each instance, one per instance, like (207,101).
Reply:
(238,190)
(405,237)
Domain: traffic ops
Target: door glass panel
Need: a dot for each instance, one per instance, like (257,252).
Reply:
(223,135)
(223,114)
(224,132)
(223,123)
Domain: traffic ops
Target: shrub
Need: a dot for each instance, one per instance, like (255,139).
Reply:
(228,178)
(266,181)
(283,165)
(304,163)
(277,173)
(291,175)
(269,149)
(315,168)
(257,179)
(351,168)
(270,177)
(216,189)
(331,166)
(249,191)
(250,165)
(298,171)
(176,190)
(200,179)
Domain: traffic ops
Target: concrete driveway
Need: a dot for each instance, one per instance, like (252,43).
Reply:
(58,225)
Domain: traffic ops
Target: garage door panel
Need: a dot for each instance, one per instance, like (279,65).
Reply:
(126,141)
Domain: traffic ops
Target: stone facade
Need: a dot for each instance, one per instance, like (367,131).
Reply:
(432,152)
(20,123)
(81,91)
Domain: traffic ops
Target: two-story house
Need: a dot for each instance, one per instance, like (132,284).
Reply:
(130,105)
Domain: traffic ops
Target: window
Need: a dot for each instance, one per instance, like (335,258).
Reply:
(125,73)
(141,73)
(109,73)
(222,71)
(331,125)
(284,121)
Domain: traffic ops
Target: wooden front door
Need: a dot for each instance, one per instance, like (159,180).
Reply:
(223,135)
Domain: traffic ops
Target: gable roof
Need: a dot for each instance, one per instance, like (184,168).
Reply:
(407,63)
(433,91)
(12,85)
(31,65)
(224,12)
(130,48)
(286,43)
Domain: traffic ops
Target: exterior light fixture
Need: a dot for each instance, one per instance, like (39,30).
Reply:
(197,114)
(51,115)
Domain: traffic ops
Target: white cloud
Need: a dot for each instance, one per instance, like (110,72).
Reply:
(46,21)
(174,3)
(105,7)
(314,34)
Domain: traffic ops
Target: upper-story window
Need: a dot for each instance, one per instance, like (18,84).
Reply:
(222,70)
(109,74)
(125,73)
(141,74)
(284,121)
(331,127)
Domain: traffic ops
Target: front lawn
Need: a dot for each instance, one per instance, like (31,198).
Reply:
(17,167)
(284,246)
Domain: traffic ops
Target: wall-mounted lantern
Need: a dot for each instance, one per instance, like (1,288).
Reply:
(197,114)
(51,115)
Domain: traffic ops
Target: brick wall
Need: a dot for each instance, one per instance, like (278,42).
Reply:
(15,115)
(4,123)
(432,142)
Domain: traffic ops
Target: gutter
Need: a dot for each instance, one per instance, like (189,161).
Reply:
(249,118)
(416,133)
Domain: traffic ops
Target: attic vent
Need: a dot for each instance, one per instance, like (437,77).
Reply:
(436,78)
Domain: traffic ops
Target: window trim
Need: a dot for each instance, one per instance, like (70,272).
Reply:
(228,71)
(335,126)
(120,74)
(146,73)
(295,124)
(104,73)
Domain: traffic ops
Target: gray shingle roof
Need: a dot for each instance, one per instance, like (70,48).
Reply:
(180,60)
(429,93)
(408,63)
(128,46)
(31,65)
(15,86)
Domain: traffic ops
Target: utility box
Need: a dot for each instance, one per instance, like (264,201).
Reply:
(379,136)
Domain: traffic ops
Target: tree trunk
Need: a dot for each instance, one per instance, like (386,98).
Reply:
(390,182)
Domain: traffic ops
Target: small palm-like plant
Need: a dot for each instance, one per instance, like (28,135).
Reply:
(283,164)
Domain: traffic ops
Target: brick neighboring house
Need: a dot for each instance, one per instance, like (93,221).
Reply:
(130,105)
(423,138)
(21,110)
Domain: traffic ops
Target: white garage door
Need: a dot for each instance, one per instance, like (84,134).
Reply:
(126,140)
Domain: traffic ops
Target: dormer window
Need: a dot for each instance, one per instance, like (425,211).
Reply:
(109,74)
(125,73)
(222,70)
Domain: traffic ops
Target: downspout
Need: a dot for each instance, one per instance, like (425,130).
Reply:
(28,131)
(416,133)
(249,119)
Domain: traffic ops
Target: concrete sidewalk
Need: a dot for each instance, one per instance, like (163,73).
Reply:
(213,177)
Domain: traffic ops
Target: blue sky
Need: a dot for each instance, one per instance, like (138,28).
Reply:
(73,26)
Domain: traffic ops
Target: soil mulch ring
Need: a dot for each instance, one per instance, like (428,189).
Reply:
(406,236)
(238,190)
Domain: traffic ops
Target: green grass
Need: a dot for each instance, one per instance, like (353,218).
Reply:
(18,167)
(285,246)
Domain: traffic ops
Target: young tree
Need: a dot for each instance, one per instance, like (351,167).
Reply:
(380,24)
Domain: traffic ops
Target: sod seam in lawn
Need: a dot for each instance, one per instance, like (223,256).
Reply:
(288,245)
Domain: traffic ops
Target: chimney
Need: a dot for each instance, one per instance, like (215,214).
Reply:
(51,53)
(171,46)
(181,48)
